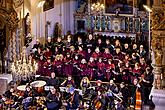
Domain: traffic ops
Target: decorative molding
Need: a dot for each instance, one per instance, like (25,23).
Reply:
(18,3)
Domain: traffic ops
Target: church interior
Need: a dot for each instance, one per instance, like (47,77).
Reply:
(82,54)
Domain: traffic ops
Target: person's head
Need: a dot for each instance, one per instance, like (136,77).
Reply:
(57,57)
(85,80)
(99,41)
(135,81)
(69,38)
(91,59)
(39,50)
(127,64)
(37,41)
(111,82)
(106,50)
(136,65)
(100,59)
(122,85)
(134,46)
(59,39)
(68,55)
(98,82)
(53,75)
(49,60)
(117,50)
(107,41)
(28,88)
(109,61)
(12,89)
(133,55)
(97,50)
(69,78)
(142,60)
(72,48)
(141,47)
(53,90)
(127,56)
(90,37)
(80,48)
(79,39)
(126,46)
(89,50)
(49,39)
(117,42)
(83,61)
(148,70)
(41,57)
(76,57)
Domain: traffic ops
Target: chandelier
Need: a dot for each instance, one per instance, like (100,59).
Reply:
(24,67)
(97,7)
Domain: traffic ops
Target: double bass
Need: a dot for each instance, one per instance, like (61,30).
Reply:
(138,104)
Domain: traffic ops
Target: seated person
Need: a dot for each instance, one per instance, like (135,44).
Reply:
(73,102)
(11,98)
(27,101)
(69,82)
(53,100)
(85,84)
(53,81)
(100,101)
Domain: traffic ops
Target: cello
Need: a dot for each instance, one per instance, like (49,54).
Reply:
(138,103)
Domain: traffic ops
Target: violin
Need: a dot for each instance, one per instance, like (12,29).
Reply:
(97,104)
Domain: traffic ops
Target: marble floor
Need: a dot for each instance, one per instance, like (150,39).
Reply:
(158,99)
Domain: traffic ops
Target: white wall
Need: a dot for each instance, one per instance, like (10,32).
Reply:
(39,18)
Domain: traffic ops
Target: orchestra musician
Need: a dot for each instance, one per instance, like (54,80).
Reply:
(69,82)
(27,101)
(85,84)
(73,101)
(124,93)
(99,102)
(53,80)
(113,87)
(147,82)
(53,99)
(133,92)
(11,98)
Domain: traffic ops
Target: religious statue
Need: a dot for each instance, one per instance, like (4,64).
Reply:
(57,30)
(158,55)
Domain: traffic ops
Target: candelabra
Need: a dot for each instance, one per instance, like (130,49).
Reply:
(97,8)
(24,67)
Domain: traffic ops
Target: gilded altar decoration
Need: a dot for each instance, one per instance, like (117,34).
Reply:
(158,56)
(18,3)
(157,18)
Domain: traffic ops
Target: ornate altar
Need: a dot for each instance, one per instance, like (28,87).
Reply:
(8,21)
(131,23)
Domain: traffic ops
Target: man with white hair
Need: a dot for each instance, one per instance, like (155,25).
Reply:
(37,45)
(49,43)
